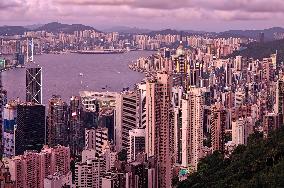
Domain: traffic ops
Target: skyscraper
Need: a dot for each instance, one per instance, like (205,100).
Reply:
(3,101)
(30,169)
(34,85)
(9,124)
(218,125)
(89,173)
(159,126)
(76,135)
(181,64)
(279,103)
(30,50)
(30,129)
(241,129)
(57,121)
(192,128)
(96,139)
(126,110)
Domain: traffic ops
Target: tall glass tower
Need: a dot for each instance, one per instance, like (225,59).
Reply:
(34,85)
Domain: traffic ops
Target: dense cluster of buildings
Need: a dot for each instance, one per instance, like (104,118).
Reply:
(191,103)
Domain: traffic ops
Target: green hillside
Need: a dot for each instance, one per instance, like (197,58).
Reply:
(259,164)
(262,50)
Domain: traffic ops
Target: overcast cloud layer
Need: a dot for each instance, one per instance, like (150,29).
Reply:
(211,15)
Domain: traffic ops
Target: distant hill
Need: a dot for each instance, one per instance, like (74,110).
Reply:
(33,27)
(269,34)
(53,27)
(127,30)
(56,27)
(12,30)
(259,164)
(262,50)
(165,32)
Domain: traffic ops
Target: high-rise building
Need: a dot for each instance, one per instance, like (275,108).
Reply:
(76,128)
(26,171)
(30,50)
(159,126)
(57,122)
(181,65)
(96,139)
(176,101)
(3,101)
(279,102)
(192,128)
(136,143)
(31,168)
(270,123)
(241,129)
(110,157)
(126,110)
(30,129)
(141,105)
(9,124)
(89,173)
(137,175)
(218,126)
(59,159)
(34,85)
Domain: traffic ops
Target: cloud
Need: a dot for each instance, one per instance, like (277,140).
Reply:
(9,4)
(243,5)
(149,13)
(226,5)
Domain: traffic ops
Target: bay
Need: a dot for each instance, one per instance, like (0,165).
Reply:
(67,74)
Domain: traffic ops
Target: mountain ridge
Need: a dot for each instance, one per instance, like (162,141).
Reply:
(56,27)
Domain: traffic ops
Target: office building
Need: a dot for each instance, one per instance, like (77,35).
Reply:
(136,144)
(57,122)
(9,124)
(96,139)
(137,175)
(141,105)
(34,85)
(126,110)
(30,129)
(76,136)
(3,101)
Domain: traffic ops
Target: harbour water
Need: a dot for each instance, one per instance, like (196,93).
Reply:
(67,74)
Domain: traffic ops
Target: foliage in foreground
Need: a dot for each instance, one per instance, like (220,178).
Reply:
(259,164)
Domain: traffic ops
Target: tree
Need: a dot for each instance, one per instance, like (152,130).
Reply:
(122,155)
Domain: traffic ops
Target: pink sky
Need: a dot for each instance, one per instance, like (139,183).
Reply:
(210,15)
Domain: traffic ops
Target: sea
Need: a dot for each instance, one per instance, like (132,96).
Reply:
(67,74)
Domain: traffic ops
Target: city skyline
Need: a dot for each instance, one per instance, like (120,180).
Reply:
(179,105)
(103,14)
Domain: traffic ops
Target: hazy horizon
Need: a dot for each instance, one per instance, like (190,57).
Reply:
(137,27)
